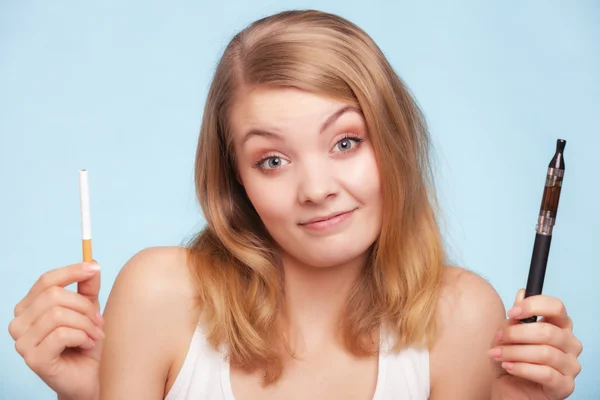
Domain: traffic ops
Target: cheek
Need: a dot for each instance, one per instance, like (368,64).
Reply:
(361,178)
(272,198)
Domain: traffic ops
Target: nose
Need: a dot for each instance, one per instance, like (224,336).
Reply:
(317,184)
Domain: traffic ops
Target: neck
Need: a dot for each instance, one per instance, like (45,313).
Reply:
(315,299)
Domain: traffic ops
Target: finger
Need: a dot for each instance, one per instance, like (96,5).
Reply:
(564,363)
(520,296)
(90,287)
(536,333)
(552,309)
(52,297)
(60,317)
(568,325)
(518,300)
(63,276)
(555,383)
(50,349)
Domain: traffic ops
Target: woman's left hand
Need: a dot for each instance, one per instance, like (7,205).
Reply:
(539,358)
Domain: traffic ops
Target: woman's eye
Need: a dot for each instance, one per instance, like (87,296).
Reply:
(272,163)
(346,144)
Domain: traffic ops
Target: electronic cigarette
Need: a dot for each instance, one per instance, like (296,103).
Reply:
(546,221)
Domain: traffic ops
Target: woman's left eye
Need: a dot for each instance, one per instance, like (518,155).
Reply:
(347,143)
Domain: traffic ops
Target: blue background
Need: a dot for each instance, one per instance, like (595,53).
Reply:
(119,87)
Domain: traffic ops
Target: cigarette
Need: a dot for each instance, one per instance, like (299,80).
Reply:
(86,223)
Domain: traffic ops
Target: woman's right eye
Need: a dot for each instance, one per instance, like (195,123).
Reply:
(270,163)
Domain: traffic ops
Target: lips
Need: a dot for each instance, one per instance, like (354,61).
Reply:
(326,217)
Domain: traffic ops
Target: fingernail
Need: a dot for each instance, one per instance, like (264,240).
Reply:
(514,312)
(498,337)
(495,353)
(91,267)
(99,318)
(508,365)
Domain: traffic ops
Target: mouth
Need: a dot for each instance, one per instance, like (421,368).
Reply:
(327,221)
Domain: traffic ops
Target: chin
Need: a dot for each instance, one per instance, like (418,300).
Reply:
(328,250)
(330,256)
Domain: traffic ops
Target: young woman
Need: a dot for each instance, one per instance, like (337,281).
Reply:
(321,272)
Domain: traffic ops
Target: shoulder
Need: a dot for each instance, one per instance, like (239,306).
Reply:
(466,295)
(150,316)
(157,270)
(155,279)
(468,315)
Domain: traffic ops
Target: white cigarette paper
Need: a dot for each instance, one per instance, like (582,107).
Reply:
(84,196)
(86,222)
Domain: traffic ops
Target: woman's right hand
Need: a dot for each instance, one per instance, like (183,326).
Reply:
(58,332)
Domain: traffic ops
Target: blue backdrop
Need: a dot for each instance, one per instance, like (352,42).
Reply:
(119,87)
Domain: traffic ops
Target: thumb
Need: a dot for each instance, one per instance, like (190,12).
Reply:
(519,297)
(90,287)
(518,300)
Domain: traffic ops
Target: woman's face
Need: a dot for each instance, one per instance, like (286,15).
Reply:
(308,167)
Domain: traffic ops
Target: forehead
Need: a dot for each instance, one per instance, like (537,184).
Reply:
(280,108)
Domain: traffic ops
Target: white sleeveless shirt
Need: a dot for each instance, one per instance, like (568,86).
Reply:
(205,374)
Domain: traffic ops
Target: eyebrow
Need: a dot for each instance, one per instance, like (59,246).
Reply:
(328,122)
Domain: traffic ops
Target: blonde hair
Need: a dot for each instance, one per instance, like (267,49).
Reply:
(235,260)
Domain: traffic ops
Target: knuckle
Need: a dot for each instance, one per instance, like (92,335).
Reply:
(545,332)
(17,309)
(44,279)
(578,346)
(54,294)
(12,329)
(56,313)
(547,355)
(61,333)
(31,360)
(569,386)
(577,367)
(20,348)
(546,375)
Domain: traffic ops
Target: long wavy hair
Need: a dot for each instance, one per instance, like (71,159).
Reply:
(234,259)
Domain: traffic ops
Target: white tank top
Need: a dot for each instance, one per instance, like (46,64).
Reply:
(205,374)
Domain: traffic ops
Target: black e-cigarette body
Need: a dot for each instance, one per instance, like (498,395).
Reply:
(546,221)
